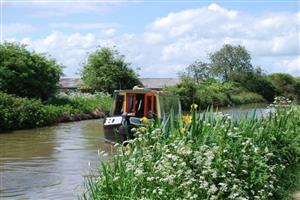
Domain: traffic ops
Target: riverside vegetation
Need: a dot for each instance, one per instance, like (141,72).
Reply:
(207,156)
(21,112)
(229,78)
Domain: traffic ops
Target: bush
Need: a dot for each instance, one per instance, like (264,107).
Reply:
(17,113)
(27,74)
(205,157)
(213,93)
(22,113)
(286,85)
(246,98)
(83,102)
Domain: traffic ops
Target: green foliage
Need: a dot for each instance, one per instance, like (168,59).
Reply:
(17,113)
(83,102)
(286,85)
(246,98)
(213,93)
(205,156)
(230,62)
(198,71)
(186,90)
(22,113)
(106,71)
(27,74)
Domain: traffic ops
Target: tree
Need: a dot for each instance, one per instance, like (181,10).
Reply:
(230,62)
(106,71)
(27,74)
(186,89)
(286,85)
(198,71)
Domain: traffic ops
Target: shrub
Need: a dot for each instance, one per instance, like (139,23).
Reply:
(286,85)
(246,98)
(27,74)
(83,102)
(22,113)
(17,113)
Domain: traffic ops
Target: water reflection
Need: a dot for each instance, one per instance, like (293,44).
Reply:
(249,110)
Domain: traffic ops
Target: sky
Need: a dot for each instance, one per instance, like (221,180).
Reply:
(158,38)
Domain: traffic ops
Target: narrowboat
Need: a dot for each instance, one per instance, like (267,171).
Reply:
(129,106)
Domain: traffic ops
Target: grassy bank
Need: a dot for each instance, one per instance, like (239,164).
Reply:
(206,157)
(22,113)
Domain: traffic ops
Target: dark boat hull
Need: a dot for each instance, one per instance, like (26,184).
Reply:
(117,133)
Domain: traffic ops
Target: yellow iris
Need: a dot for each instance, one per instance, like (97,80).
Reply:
(143,129)
(182,130)
(194,106)
(187,119)
(144,120)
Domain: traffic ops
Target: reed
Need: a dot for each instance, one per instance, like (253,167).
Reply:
(207,156)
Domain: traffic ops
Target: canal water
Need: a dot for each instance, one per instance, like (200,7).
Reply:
(51,162)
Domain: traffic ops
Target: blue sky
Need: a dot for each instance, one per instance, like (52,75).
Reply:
(161,38)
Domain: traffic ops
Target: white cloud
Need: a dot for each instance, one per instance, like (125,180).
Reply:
(291,66)
(172,42)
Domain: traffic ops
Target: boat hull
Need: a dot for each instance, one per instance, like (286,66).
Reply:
(117,133)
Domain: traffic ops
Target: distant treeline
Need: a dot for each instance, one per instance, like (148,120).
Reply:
(231,79)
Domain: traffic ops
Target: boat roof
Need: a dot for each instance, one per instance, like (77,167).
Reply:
(144,91)
(138,91)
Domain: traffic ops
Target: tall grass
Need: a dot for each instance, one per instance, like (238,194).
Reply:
(209,156)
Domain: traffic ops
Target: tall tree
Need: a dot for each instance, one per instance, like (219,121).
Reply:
(198,71)
(27,74)
(106,71)
(230,61)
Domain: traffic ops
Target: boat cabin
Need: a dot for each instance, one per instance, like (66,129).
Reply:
(129,106)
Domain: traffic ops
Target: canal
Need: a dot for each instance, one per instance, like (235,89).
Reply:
(51,162)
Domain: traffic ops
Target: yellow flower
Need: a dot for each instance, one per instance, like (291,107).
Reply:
(143,129)
(182,130)
(187,119)
(144,120)
(194,106)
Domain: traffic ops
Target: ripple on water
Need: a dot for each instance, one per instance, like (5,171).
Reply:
(50,162)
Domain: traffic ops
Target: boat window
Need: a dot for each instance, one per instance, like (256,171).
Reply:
(119,105)
(149,103)
(150,107)
(140,105)
(130,103)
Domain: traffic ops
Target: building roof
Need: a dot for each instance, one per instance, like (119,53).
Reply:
(69,83)
(152,83)
(158,83)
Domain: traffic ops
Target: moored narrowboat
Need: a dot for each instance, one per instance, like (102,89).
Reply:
(129,106)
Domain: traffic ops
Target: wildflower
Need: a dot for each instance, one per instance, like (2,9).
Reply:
(143,130)
(187,119)
(194,106)
(182,130)
(144,120)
